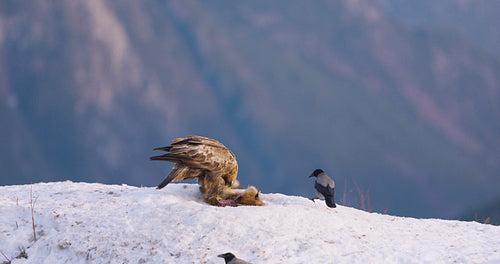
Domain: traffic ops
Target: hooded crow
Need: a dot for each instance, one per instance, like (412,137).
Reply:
(325,187)
(230,258)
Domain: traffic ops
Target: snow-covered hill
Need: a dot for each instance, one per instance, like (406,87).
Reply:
(96,223)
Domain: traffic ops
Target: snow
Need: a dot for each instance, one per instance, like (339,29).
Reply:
(97,223)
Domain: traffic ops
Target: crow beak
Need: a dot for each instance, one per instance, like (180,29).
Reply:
(312,175)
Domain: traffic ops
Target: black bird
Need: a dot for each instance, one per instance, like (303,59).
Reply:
(325,187)
(230,258)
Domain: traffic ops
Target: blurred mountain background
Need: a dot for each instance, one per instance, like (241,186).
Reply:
(398,101)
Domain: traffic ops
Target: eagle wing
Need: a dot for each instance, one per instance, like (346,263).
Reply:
(194,156)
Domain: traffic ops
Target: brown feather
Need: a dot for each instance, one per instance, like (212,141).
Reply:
(206,159)
(212,164)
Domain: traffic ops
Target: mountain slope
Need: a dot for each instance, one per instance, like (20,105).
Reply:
(91,87)
(81,222)
(473,20)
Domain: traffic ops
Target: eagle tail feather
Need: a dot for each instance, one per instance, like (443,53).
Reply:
(174,175)
(166,157)
(167,148)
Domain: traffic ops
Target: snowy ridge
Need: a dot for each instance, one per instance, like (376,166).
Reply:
(97,223)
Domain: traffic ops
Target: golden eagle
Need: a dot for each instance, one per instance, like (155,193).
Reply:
(213,165)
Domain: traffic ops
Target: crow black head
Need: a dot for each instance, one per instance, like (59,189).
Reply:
(316,173)
(227,256)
